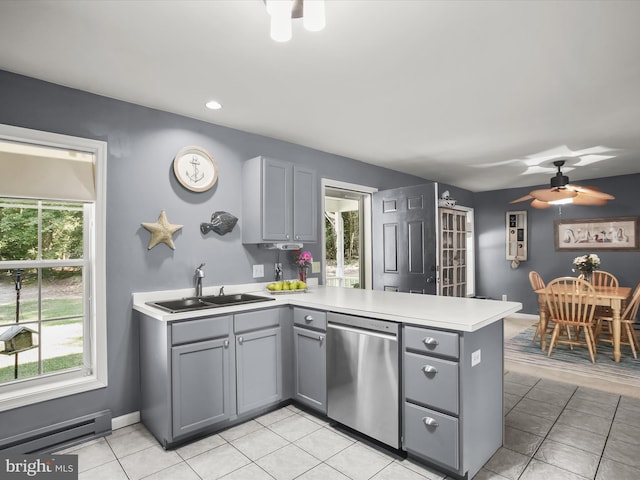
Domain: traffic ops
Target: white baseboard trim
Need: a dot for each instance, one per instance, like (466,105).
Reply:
(125,420)
(523,316)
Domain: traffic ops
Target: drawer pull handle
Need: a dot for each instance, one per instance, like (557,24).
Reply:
(430,422)
(320,339)
(226,344)
(429,369)
(430,341)
(308,318)
(240,340)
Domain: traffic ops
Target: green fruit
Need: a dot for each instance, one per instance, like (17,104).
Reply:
(277,287)
(271,286)
(302,285)
(285,286)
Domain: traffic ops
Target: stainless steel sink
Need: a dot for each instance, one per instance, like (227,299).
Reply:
(209,301)
(237,299)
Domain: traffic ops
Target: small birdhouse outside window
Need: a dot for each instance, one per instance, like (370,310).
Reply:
(17,339)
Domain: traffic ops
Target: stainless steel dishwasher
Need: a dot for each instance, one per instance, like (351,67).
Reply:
(363,380)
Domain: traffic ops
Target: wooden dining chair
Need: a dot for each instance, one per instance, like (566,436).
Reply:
(628,336)
(537,284)
(600,278)
(571,306)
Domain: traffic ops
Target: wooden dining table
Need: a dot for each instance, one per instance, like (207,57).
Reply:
(611,297)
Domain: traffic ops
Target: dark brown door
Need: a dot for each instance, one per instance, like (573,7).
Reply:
(404,239)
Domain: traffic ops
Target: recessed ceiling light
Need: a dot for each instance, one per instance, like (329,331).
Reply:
(213,105)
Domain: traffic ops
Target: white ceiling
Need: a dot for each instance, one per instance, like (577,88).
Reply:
(470,93)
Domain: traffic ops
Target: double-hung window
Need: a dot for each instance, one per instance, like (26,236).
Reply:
(52,266)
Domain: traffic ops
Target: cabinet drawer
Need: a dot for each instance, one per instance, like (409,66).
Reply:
(431,435)
(431,381)
(200,329)
(310,318)
(431,341)
(245,322)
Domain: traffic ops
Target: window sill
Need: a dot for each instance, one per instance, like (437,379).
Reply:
(50,391)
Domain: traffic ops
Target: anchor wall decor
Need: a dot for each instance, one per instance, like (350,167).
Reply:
(195,169)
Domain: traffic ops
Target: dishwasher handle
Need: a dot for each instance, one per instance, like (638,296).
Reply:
(361,331)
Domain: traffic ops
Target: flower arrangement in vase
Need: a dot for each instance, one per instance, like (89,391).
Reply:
(303,262)
(586,264)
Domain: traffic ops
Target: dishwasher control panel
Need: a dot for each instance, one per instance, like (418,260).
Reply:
(373,324)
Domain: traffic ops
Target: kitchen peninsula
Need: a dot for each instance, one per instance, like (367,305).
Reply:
(205,370)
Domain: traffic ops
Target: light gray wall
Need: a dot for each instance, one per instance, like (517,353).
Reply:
(494,274)
(141,145)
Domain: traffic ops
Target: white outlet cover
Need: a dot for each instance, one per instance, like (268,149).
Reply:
(476,358)
(258,271)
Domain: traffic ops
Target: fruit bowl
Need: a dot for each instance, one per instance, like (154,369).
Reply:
(286,286)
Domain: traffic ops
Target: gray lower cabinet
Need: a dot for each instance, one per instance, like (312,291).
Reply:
(258,359)
(201,375)
(201,386)
(258,369)
(310,354)
(310,358)
(453,396)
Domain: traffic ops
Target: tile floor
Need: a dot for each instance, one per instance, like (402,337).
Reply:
(553,431)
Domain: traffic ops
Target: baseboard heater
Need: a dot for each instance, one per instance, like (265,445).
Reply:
(59,436)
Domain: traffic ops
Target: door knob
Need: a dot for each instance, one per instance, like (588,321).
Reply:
(240,340)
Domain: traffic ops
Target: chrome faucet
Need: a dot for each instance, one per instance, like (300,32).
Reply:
(221,292)
(199,277)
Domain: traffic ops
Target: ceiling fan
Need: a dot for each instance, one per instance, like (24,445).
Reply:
(563,192)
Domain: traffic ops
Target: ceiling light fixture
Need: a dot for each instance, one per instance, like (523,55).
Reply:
(312,13)
(213,105)
(562,192)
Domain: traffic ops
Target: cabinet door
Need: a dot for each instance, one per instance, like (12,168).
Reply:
(276,200)
(201,385)
(310,381)
(258,369)
(305,205)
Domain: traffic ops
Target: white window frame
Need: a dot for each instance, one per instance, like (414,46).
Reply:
(48,387)
(367,252)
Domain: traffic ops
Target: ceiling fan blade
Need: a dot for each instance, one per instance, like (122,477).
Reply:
(591,191)
(521,199)
(589,200)
(549,195)
(539,204)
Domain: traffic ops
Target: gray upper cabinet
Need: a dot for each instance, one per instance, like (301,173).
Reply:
(279,202)
(305,205)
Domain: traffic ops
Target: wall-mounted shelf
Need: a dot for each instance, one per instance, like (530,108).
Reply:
(516,228)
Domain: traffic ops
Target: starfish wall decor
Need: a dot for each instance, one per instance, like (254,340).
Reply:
(161,231)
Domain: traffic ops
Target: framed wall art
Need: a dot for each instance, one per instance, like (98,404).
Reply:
(616,233)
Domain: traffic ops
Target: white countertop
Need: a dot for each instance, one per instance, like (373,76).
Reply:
(451,313)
